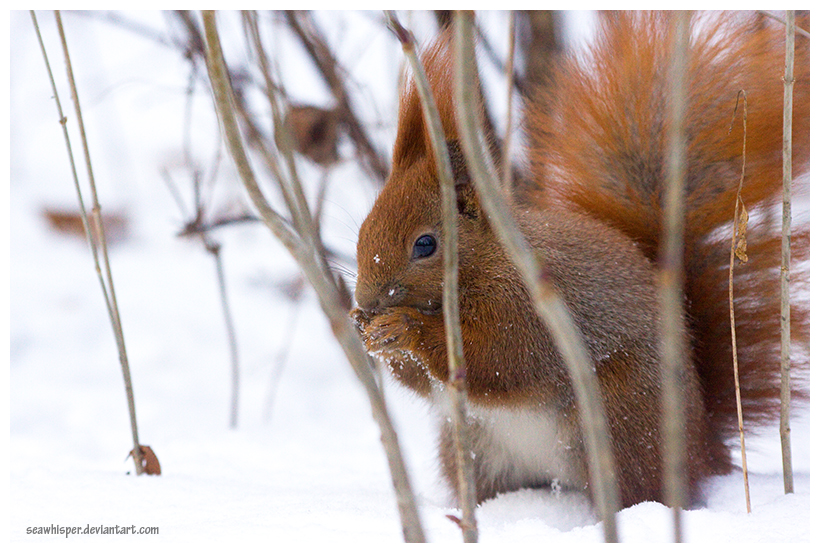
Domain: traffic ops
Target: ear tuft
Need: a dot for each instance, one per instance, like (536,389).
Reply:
(412,140)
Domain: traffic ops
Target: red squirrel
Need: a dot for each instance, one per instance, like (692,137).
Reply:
(590,209)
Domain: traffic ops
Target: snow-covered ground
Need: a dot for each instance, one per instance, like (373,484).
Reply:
(305,464)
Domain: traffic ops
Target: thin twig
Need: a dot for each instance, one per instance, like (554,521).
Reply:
(198,228)
(215,249)
(741,219)
(315,45)
(327,288)
(798,30)
(281,358)
(549,304)
(306,225)
(321,197)
(291,187)
(294,198)
(671,280)
(515,79)
(785,271)
(107,281)
(457,381)
(506,181)
(117,19)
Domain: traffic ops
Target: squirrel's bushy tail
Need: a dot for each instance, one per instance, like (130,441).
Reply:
(598,144)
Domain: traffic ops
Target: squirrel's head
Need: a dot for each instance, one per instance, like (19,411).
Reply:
(399,256)
(399,252)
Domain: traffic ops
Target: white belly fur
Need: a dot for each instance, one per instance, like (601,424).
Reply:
(523,446)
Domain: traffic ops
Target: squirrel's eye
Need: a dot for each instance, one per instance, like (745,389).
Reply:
(425,246)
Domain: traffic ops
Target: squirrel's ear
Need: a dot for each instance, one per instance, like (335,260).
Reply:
(466,197)
(412,139)
(410,143)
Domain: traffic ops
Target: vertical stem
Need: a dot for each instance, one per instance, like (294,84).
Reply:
(738,235)
(457,383)
(671,279)
(506,179)
(216,251)
(107,282)
(785,302)
(551,308)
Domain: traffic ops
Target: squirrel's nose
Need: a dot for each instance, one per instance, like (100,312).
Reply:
(373,300)
(366,298)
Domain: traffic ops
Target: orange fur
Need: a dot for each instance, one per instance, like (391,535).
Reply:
(592,214)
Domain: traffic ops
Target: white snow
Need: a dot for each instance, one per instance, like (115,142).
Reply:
(305,465)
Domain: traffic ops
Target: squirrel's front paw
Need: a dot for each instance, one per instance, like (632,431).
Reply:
(397,329)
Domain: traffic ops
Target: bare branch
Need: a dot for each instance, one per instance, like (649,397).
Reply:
(798,30)
(785,271)
(549,304)
(107,282)
(457,382)
(670,268)
(302,25)
(329,292)
(197,227)
(509,68)
(741,219)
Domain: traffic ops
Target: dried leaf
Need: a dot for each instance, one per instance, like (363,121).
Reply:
(455,519)
(150,463)
(315,132)
(742,224)
(71,223)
